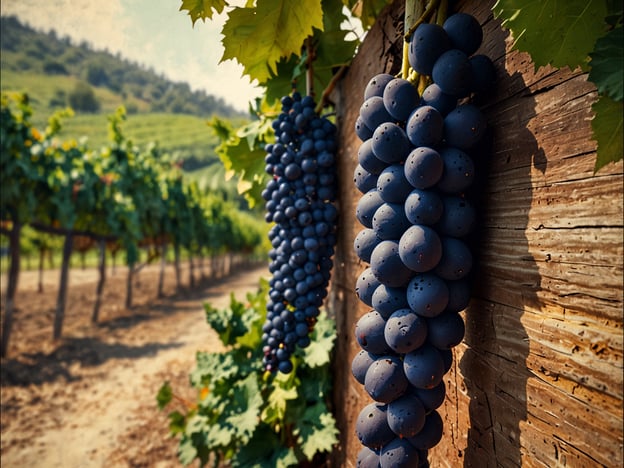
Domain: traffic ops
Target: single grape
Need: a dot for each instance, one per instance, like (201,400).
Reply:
(399,454)
(405,331)
(427,43)
(400,98)
(406,415)
(427,294)
(425,127)
(424,367)
(464,126)
(390,143)
(453,74)
(385,380)
(446,330)
(423,207)
(430,434)
(369,333)
(456,261)
(372,427)
(423,167)
(386,265)
(420,248)
(464,31)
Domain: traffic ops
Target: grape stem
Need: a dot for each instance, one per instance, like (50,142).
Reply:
(431,6)
(309,66)
(330,87)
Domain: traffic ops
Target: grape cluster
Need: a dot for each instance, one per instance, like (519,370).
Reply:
(414,169)
(299,201)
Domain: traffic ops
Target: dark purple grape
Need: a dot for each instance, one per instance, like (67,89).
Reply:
(390,143)
(464,31)
(392,185)
(423,207)
(373,112)
(458,218)
(456,261)
(369,333)
(368,160)
(424,367)
(400,98)
(385,380)
(405,331)
(458,173)
(420,248)
(372,427)
(363,179)
(423,167)
(361,130)
(431,398)
(360,364)
(365,286)
(387,266)
(459,295)
(464,126)
(425,127)
(427,43)
(387,300)
(364,243)
(367,458)
(390,222)
(406,415)
(427,294)
(434,97)
(366,207)
(446,330)
(453,74)
(399,454)
(430,434)
(483,74)
(377,85)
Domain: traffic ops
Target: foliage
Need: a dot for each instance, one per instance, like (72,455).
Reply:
(568,34)
(118,192)
(83,99)
(246,418)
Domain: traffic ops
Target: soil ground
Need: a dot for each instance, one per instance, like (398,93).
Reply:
(89,399)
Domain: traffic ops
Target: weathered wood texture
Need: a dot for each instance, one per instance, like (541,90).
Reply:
(538,378)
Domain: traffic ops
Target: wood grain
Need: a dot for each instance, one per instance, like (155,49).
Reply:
(537,381)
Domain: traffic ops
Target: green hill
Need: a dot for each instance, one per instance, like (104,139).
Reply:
(56,74)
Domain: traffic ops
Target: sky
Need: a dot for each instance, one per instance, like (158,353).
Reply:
(153,33)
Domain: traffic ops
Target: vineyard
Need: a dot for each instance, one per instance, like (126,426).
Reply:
(119,198)
(442,234)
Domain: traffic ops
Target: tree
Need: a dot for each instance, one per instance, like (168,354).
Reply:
(82,98)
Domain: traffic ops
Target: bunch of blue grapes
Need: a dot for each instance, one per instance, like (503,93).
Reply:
(299,201)
(415,169)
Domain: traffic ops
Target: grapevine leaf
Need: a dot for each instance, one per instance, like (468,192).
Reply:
(177,422)
(554,32)
(262,446)
(607,128)
(286,458)
(607,64)
(259,37)
(275,409)
(187,451)
(164,396)
(202,9)
(245,407)
(317,431)
(319,351)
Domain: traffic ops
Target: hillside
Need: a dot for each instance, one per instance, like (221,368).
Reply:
(56,73)
(33,54)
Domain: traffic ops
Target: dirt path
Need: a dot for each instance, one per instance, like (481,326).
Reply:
(89,399)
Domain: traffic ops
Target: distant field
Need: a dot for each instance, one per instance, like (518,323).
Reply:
(186,135)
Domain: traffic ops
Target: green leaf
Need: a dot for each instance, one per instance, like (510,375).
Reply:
(554,32)
(259,37)
(322,343)
(607,64)
(608,133)
(244,412)
(164,396)
(317,431)
(202,9)
(275,409)
(177,422)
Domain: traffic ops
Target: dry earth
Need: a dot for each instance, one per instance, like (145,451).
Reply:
(88,400)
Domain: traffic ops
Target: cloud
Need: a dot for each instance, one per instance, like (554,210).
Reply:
(153,33)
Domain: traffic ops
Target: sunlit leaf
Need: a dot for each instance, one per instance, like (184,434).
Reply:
(202,9)
(552,31)
(259,37)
